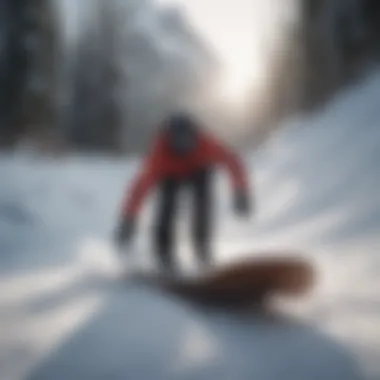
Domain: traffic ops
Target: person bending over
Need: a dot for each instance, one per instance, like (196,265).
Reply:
(182,157)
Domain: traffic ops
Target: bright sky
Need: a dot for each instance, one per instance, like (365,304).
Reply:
(238,31)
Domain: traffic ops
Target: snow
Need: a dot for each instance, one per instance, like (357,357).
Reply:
(64,315)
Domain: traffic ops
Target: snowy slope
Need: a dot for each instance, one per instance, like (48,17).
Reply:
(63,317)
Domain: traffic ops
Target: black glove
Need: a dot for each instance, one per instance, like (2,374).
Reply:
(241,203)
(124,231)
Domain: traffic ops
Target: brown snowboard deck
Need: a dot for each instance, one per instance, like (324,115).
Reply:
(243,284)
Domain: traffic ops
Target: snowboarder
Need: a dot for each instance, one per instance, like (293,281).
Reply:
(182,156)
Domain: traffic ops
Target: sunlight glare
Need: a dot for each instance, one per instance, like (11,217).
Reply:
(235,31)
(235,84)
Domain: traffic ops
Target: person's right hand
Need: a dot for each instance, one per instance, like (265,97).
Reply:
(124,231)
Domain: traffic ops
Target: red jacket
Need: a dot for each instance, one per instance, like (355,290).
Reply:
(161,162)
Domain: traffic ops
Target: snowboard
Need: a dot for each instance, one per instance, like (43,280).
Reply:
(240,285)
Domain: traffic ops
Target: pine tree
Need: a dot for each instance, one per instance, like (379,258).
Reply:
(28,91)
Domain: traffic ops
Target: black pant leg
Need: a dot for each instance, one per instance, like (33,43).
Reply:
(202,214)
(164,229)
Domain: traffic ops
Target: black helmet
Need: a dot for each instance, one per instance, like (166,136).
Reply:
(182,133)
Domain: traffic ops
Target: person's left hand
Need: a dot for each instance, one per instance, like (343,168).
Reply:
(242,204)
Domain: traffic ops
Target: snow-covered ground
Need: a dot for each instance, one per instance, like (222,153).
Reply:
(63,315)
